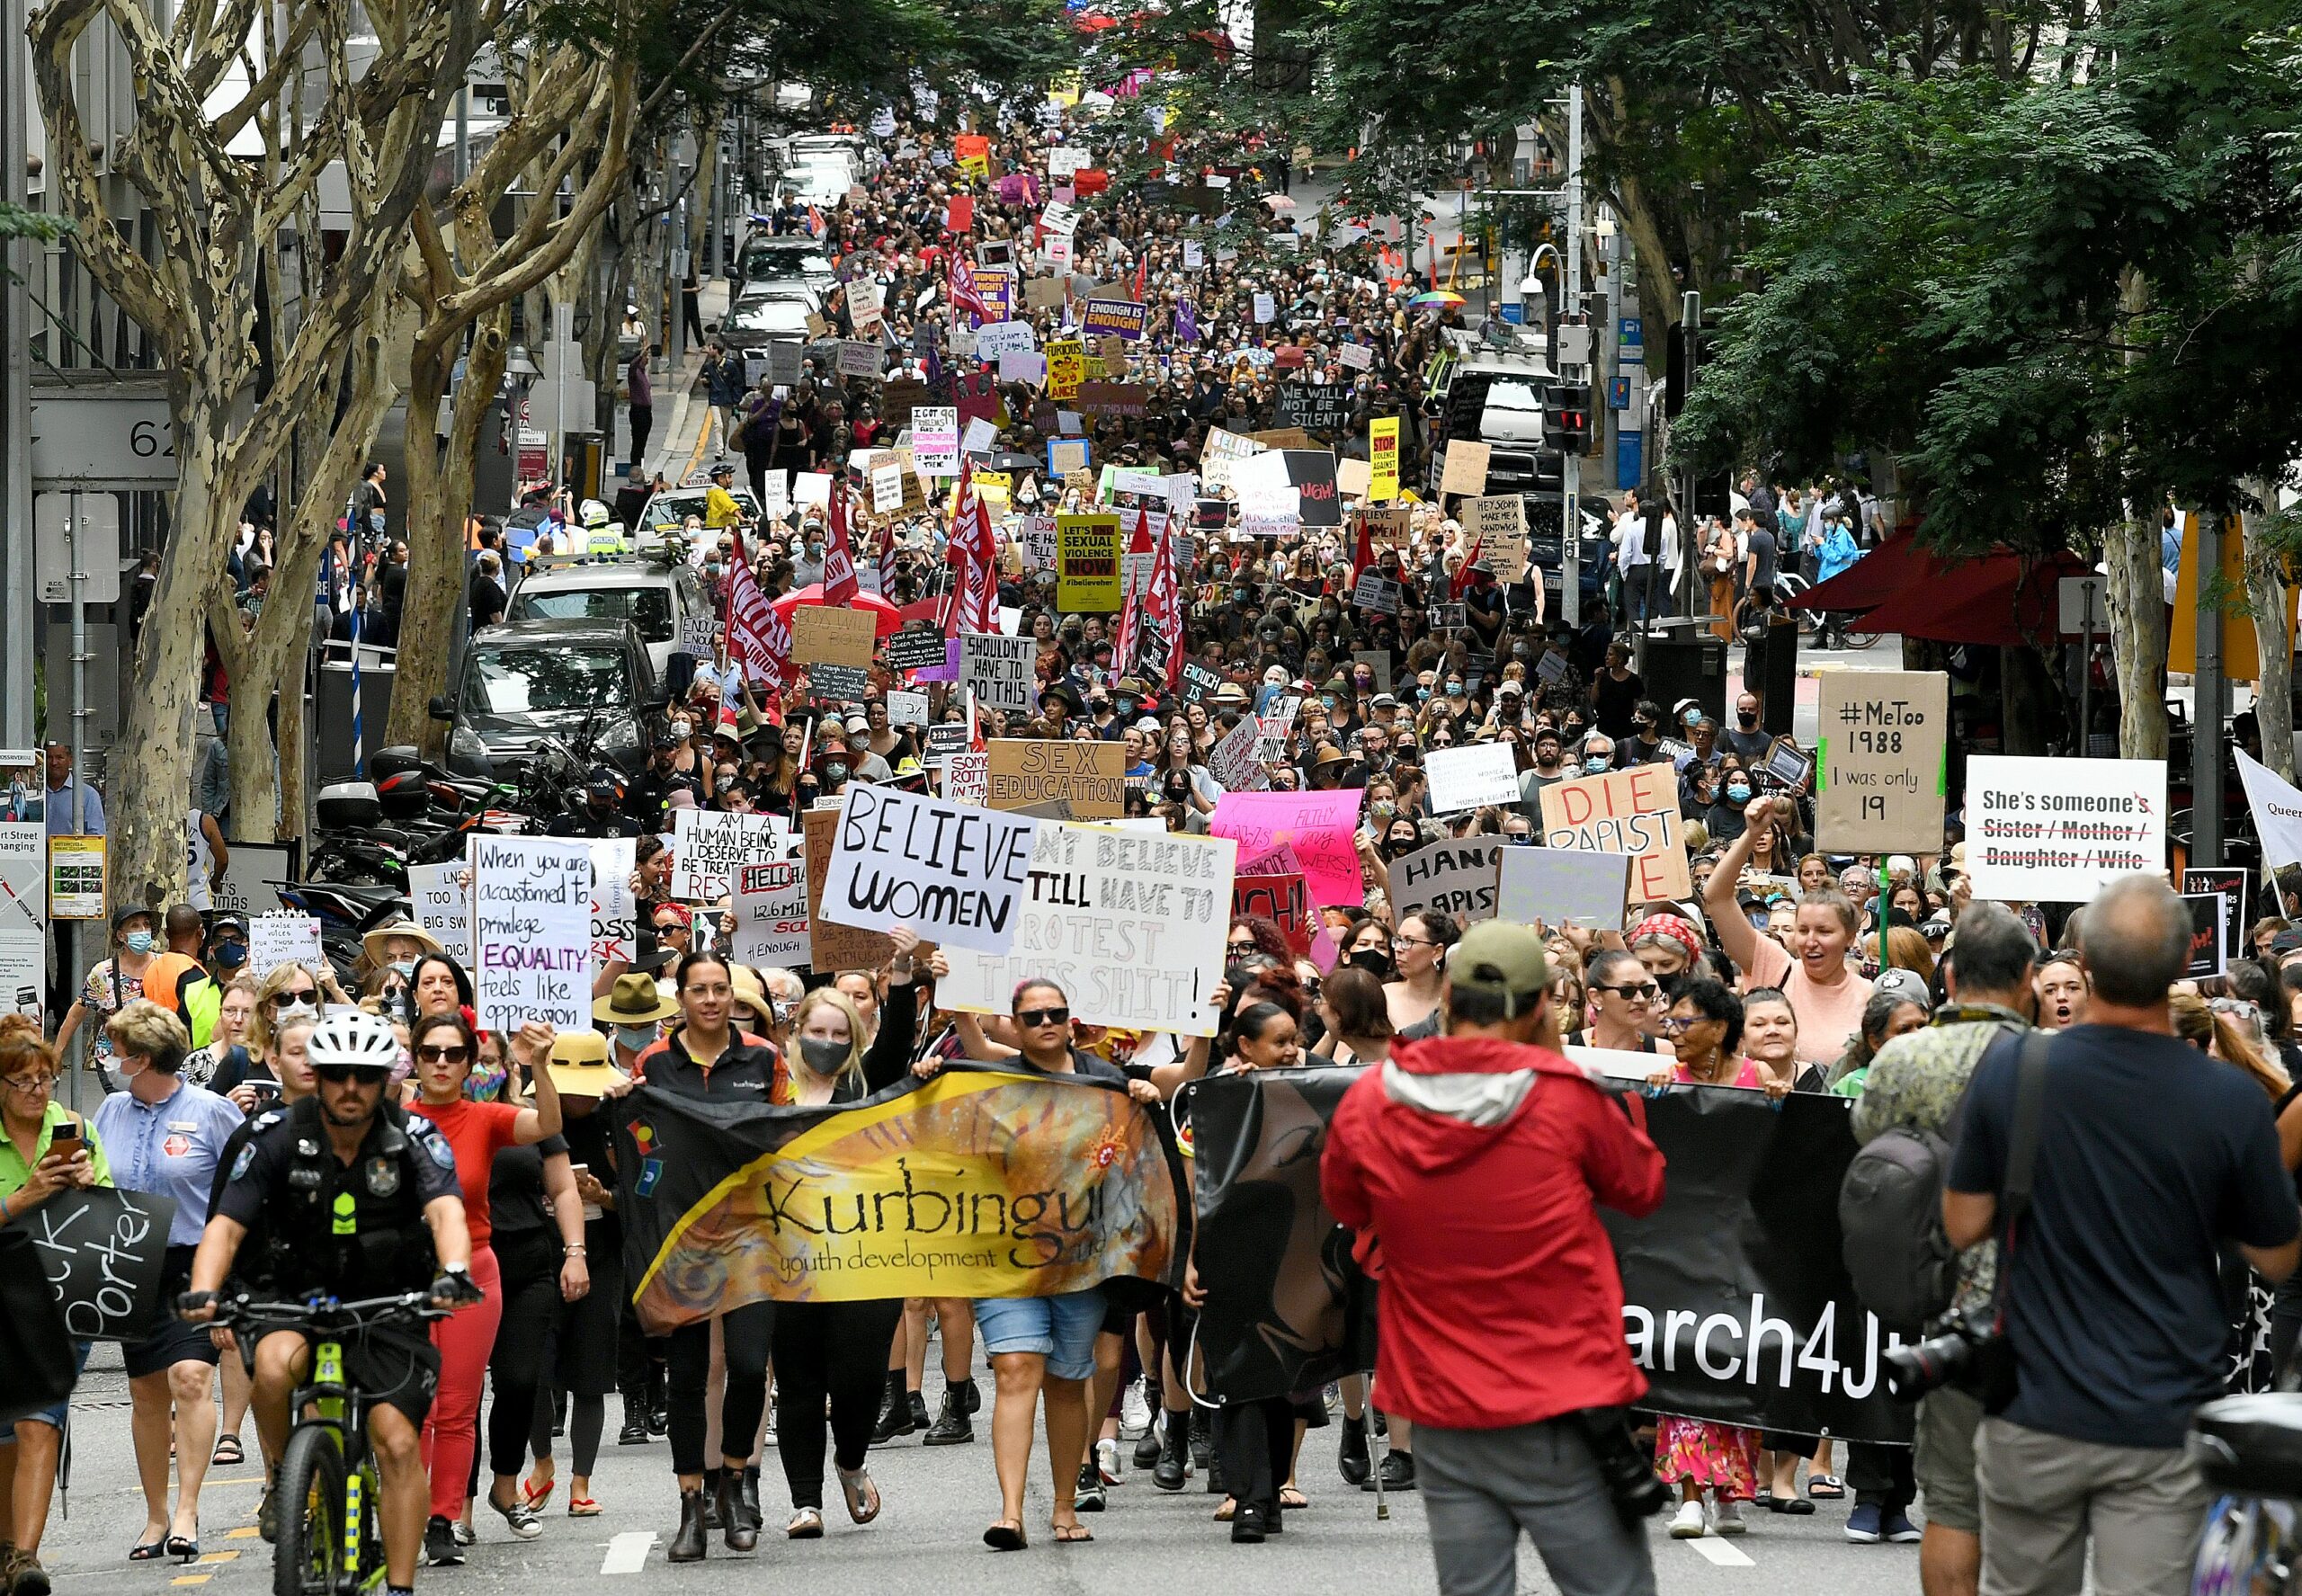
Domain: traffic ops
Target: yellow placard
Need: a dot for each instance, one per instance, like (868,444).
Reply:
(1383,459)
(1066,368)
(1087,567)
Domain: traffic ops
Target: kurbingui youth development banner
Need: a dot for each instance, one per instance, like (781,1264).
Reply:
(1736,1302)
(977,1182)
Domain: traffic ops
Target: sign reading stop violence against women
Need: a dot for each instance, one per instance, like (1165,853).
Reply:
(1129,924)
(955,875)
(1634,811)
(2059,830)
(532,927)
(1320,826)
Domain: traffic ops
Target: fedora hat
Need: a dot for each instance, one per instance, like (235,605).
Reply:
(634,1000)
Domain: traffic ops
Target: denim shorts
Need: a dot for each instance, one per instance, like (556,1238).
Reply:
(1061,1329)
(53,1417)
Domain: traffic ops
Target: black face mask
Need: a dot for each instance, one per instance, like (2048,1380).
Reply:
(1747,718)
(1374,961)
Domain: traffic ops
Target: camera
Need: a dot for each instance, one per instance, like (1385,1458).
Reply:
(1625,1468)
(1966,1347)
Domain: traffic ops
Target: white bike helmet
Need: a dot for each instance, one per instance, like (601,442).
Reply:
(354,1037)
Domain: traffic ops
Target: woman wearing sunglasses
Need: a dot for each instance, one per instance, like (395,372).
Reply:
(1040,1345)
(445,1051)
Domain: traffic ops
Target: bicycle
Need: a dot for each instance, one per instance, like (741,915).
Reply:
(332,1543)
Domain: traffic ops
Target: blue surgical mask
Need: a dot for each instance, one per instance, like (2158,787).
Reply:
(1596,763)
(636,1038)
(404,967)
(1739,793)
(137,942)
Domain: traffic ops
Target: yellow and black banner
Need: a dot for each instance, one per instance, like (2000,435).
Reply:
(977,1182)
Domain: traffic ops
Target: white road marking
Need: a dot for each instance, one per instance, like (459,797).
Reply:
(627,1552)
(1722,1554)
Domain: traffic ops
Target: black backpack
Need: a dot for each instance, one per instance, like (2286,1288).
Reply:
(1890,1217)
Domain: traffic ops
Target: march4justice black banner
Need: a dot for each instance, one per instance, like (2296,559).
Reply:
(1736,1302)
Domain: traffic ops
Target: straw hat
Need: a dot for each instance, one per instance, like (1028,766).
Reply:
(372,944)
(579,1064)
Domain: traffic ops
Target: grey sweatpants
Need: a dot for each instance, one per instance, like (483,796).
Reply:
(2044,1496)
(1481,1487)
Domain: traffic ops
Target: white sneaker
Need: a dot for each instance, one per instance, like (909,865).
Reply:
(1687,1523)
(1134,1412)
(1107,1461)
(1727,1519)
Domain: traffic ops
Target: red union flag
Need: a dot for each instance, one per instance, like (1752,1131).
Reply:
(757,637)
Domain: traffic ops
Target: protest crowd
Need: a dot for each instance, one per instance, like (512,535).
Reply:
(1168,744)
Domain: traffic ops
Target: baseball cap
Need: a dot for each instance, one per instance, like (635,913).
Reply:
(1908,985)
(1503,960)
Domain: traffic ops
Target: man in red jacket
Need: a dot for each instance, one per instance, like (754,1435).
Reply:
(1475,1162)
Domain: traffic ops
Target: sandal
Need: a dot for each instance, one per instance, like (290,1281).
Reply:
(583,1507)
(150,1552)
(1225,1513)
(185,1548)
(1826,1487)
(1292,1499)
(1075,1533)
(535,1498)
(806,1524)
(227,1450)
(862,1495)
(1005,1536)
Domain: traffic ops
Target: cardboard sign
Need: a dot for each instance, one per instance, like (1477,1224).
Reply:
(1633,812)
(1351,476)
(834,948)
(1087,572)
(1131,925)
(1113,399)
(102,1250)
(532,929)
(1879,760)
(1320,826)
(824,635)
(999,670)
(1280,899)
(1064,777)
(441,894)
(772,913)
(2059,830)
(709,846)
(1465,472)
(955,874)
(1471,777)
(1455,877)
(1565,886)
(1501,531)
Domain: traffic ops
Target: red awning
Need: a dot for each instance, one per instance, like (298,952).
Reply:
(1896,564)
(886,616)
(2003,599)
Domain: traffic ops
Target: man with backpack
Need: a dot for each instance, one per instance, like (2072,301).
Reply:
(1903,1269)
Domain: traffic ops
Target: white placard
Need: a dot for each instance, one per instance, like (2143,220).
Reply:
(955,874)
(708,845)
(1277,727)
(277,939)
(615,917)
(1023,368)
(907,708)
(979,436)
(810,488)
(1129,924)
(886,487)
(442,895)
(1194,256)
(967,778)
(1059,218)
(1040,543)
(999,670)
(1066,160)
(1232,761)
(1356,357)
(935,440)
(772,915)
(994,340)
(2058,830)
(532,929)
(1266,309)
(1468,778)
(1270,511)
(23,917)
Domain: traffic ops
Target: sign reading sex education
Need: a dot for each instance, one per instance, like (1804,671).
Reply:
(2058,830)
(1878,765)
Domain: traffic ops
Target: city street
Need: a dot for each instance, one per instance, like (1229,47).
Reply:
(927,1537)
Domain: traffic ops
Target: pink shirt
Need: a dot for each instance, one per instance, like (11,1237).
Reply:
(1748,1076)
(1828,1016)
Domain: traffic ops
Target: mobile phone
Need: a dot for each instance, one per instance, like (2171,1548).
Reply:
(66,1140)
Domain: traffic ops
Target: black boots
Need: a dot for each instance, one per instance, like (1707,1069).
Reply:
(713,1519)
(634,1433)
(687,1542)
(739,1524)
(1248,1525)
(1398,1471)
(1172,1469)
(1352,1460)
(953,1428)
(895,1412)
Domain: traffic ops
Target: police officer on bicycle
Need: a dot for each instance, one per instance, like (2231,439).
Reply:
(356,1199)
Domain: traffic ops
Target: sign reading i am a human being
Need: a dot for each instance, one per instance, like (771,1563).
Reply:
(1879,760)
(2060,830)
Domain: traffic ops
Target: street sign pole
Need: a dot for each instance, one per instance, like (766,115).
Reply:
(1570,492)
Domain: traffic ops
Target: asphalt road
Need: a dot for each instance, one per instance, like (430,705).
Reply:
(927,1538)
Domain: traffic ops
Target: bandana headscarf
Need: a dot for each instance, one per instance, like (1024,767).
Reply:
(1674,928)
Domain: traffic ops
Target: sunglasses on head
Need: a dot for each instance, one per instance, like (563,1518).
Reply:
(336,1075)
(1033,1019)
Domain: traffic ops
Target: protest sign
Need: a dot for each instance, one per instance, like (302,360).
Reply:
(102,1250)
(1311,473)
(1058,218)
(1066,368)
(1383,459)
(1321,827)
(250,883)
(1879,760)
(1129,924)
(1277,727)
(1564,885)
(1353,476)
(1232,761)
(1122,318)
(1283,900)
(1199,683)
(2232,885)
(917,648)
(834,948)
(1221,455)
(1454,876)
(2058,830)
(531,931)
(1499,528)
(999,339)
(967,778)
(1313,406)
(886,486)
(615,917)
(441,894)
(837,685)
(1121,399)
(935,439)
(1469,777)
(2207,957)
(1634,811)
(859,359)
(907,708)
(998,669)
(979,1182)
(282,937)
(772,913)
(709,845)
(1074,780)
(1087,551)
(1377,593)
(1271,513)
(826,635)
(1466,469)
(954,874)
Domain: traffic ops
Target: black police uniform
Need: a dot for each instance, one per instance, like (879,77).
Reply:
(354,1230)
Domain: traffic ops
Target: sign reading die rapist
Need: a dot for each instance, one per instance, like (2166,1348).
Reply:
(532,927)
(1129,924)
(1879,760)
(955,875)
(1634,811)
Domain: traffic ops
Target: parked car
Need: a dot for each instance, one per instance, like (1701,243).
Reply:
(527,680)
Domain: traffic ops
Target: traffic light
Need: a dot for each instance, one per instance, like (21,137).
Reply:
(1566,418)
